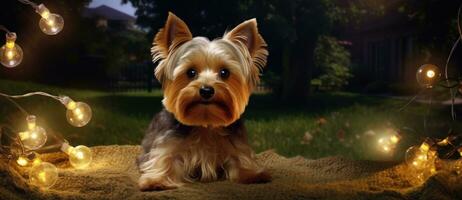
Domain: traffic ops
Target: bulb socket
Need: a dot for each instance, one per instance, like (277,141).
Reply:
(68,102)
(43,11)
(66,148)
(31,122)
(10,40)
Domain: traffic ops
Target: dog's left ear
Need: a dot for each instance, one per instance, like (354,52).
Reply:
(174,34)
(246,34)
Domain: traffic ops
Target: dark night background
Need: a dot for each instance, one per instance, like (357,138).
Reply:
(385,40)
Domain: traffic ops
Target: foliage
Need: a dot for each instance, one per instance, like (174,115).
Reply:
(333,62)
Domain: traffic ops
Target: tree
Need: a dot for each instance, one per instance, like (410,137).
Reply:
(333,62)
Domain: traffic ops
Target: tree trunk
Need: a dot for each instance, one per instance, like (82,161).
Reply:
(297,61)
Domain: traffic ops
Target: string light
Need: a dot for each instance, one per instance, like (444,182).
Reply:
(35,136)
(428,75)
(44,174)
(78,114)
(50,23)
(11,53)
(80,156)
(421,159)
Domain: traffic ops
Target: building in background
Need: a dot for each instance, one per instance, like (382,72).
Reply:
(384,47)
(106,17)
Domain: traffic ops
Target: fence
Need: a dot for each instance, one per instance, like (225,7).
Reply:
(137,77)
(140,77)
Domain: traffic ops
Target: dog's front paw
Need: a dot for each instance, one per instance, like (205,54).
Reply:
(248,177)
(155,185)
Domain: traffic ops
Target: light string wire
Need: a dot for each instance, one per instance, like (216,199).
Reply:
(58,98)
(34,5)
(451,89)
(56,136)
(3,28)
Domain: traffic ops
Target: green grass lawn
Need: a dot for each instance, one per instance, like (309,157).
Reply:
(346,120)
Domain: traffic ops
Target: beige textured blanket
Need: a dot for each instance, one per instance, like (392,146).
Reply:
(113,175)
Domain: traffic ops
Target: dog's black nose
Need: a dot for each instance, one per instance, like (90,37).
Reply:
(206,92)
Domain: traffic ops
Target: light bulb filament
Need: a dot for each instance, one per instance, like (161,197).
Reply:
(79,155)
(50,22)
(33,135)
(430,74)
(9,54)
(22,161)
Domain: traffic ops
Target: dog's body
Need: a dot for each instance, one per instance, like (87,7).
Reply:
(199,136)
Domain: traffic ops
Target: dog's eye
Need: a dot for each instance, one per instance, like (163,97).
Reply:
(191,73)
(224,73)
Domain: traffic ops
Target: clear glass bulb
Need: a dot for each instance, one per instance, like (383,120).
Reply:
(428,75)
(50,23)
(416,157)
(79,115)
(80,156)
(43,175)
(35,137)
(11,53)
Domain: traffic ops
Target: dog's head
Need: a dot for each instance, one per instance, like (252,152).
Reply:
(208,83)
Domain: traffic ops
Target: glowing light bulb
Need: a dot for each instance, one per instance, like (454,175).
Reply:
(417,157)
(428,75)
(43,175)
(35,137)
(80,156)
(22,161)
(11,53)
(50,23)
(78,114)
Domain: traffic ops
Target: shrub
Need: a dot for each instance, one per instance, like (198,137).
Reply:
(332,62)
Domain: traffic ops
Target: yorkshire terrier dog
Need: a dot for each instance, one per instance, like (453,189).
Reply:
(199,136)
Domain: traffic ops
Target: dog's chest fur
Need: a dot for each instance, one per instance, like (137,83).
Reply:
(204,153)
(200,153)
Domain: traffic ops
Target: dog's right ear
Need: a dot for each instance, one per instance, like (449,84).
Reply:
(174,33)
